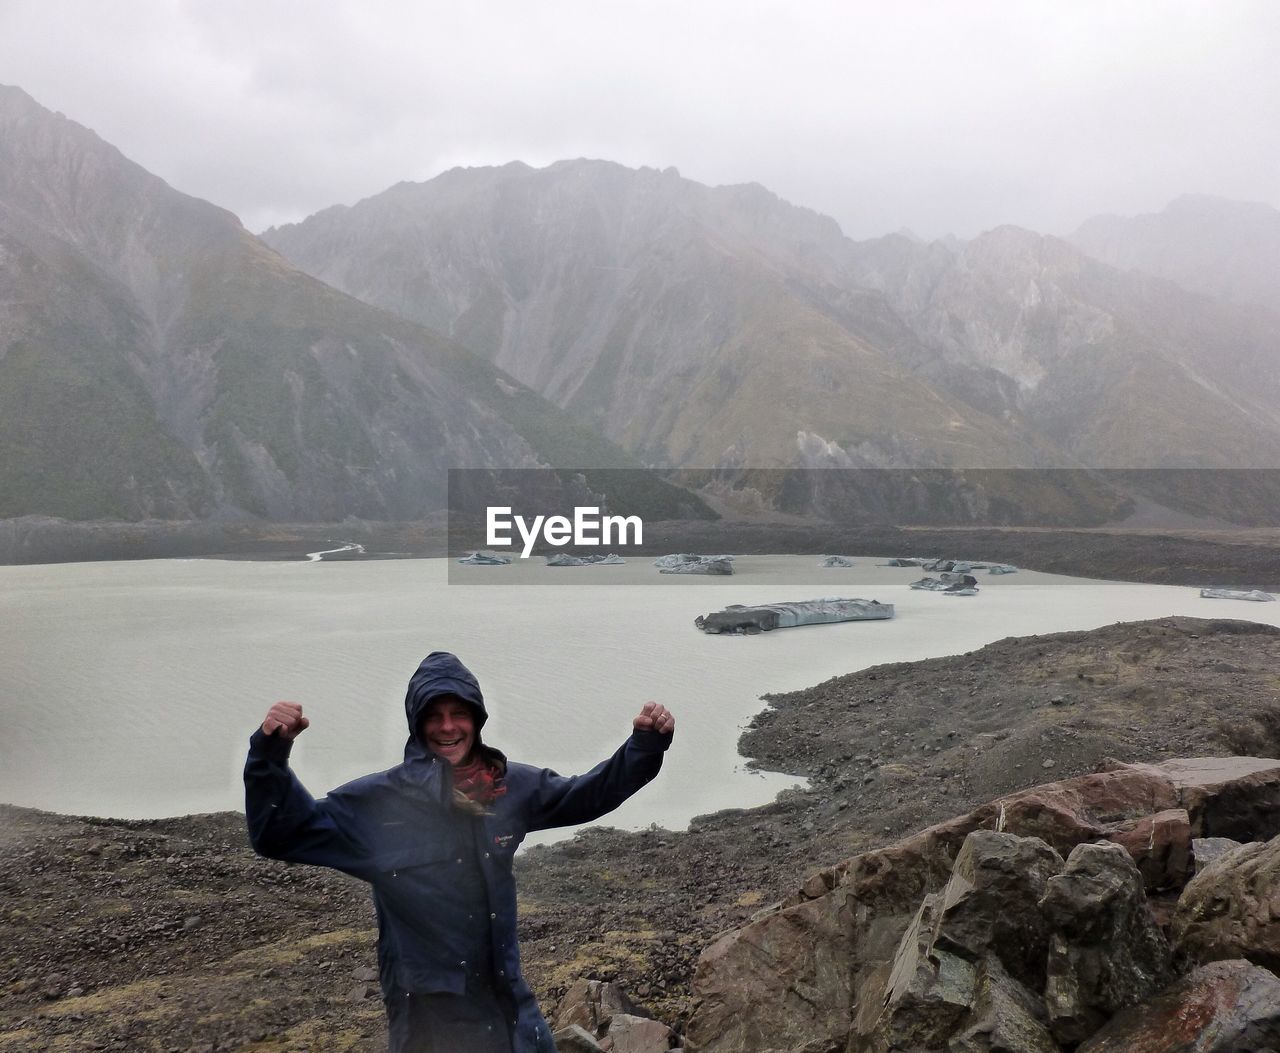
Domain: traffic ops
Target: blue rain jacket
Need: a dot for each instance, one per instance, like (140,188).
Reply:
(400,831)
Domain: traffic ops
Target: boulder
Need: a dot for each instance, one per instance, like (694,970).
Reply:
(990,903)
(929,991)
(574,1039)
(781,981)
(1236,797)
(790,976)
(1160,845)
(1006,1017)
(1204,850)
(1225,1007)
(1232,908)
(1106,952)
(637,1034)
(591,1004)
(947,978)
(1086,808)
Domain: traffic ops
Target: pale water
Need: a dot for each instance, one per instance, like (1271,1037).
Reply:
(130,689)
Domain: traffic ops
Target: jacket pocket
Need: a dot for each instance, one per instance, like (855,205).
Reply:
(395,858)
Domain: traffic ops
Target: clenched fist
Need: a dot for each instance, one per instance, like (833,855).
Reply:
(286,720)
(655,717)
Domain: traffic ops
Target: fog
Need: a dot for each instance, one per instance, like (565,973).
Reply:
(938,117)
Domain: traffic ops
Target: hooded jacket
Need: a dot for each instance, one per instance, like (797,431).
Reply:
(436,869)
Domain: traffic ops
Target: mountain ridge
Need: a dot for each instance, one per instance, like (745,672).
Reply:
(250,389)
(693,326)
(1002,328)
(1227,249)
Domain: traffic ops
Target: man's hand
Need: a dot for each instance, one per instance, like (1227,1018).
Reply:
(286,720)
(655,717)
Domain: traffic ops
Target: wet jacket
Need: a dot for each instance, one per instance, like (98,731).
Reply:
(434,866)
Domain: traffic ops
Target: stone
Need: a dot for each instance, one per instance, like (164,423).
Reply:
(789,976)
(1106,952)
(1236,797)
(1205,850)
(1006,1017)
(991,902)
(1232,909)
(574,1039)
(1225,1007)
(816,885)
(638,1034)
(1068,813)
(928,992)
(779,981)
(1160,845)
(365,974)
(591,1004)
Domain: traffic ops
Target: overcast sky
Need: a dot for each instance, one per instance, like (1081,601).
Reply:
(941,117)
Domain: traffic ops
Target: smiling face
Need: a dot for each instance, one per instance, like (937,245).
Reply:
(449,729)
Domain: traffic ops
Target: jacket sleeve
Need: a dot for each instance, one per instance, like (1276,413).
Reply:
(566,801)
(286,822)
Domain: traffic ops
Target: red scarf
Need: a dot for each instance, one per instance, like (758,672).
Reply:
(480,781)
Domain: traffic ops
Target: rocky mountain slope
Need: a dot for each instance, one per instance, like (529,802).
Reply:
(1121,370)
(658,309)
(153,936)
(723,326)
(585,270)
(1227,249)
(158,360)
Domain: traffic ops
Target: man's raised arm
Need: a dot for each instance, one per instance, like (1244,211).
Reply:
(285,821)
(581,798)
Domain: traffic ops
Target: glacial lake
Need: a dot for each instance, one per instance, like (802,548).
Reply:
(129,689)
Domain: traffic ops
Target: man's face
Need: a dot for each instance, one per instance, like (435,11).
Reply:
(449,728)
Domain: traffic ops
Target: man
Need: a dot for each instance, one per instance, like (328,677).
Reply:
(435,836)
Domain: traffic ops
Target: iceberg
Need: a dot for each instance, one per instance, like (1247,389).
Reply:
(689,563)
(484,559)
(563,559)
(1257,595)
(737,618)
(949,583)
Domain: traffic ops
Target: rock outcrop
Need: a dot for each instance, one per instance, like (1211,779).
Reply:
(974,935)
(1226,1007)
(1232,908)
(1106,952)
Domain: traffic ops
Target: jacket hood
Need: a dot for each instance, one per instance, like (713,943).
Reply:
(440,673)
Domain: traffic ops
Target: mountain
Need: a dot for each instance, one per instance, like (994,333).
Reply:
(1117,369)
(723,326)
(702,326)
(1226,249)
(685,322)
(158,360)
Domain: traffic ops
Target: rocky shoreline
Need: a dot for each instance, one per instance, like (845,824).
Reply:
(170,935)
